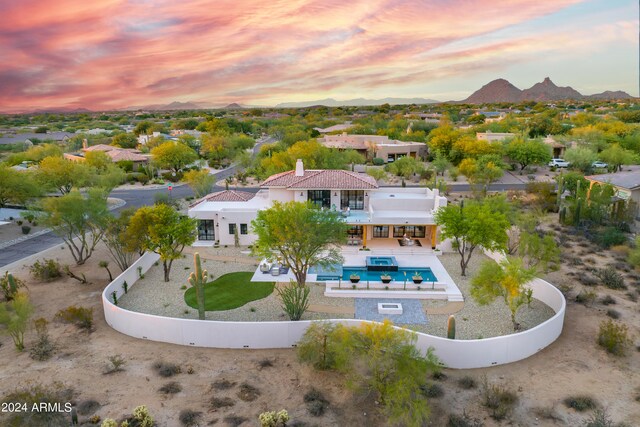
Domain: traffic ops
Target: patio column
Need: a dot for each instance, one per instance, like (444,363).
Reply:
(364,236)
(434,231)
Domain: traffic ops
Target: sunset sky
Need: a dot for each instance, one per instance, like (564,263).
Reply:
(107,54)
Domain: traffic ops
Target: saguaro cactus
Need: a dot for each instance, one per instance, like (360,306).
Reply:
(451,327)
(197,279)
(13,285)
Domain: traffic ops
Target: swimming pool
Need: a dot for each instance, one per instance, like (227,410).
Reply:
(374,276)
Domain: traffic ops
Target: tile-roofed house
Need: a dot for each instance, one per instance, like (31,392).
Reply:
(375,145)
(626,186)
(371,212)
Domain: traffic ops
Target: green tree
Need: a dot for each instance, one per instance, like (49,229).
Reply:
(375,358)
(98,160)
(405,167)
(173,155)
(506,280)
(79,220)
(580,158)
(61,174)
(125,140)
(482,172)
(538,251)
(163,230)
(200,181)
(17,187)
(121,250)
(442,139)
(301,235)
(471,225)
(14,316)
(617,156)
(440,163)
(143,128)
(528,152)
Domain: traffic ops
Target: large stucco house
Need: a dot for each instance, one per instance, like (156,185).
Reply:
(374,213)
(375,146)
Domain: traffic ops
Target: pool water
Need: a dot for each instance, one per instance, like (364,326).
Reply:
(374,276)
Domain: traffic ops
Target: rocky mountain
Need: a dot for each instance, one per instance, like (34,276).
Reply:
(358,102)
(234,106)
(501,90)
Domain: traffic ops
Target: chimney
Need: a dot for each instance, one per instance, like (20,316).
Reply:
(85,144)
(299,168)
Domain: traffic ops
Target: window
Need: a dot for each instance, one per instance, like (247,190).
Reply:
(409,230)
(205,229)
(320,198)
(243,228)
(355,231)
(353,199)
(380,231)
(232,229)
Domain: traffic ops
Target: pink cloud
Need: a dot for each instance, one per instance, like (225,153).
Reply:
(112,53)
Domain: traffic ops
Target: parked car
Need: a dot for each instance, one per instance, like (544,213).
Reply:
(559,163)
(599,165)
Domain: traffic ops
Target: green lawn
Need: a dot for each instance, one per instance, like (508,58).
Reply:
(230,291)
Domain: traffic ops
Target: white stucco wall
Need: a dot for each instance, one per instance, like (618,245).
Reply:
(460,354)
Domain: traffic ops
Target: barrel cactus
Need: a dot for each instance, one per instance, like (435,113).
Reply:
(197,279)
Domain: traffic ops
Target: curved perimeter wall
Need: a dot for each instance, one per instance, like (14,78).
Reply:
(459,354)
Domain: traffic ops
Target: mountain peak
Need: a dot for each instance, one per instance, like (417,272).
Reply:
(547,80)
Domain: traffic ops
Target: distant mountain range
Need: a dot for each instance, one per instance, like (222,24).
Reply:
(358,102)
(501,90)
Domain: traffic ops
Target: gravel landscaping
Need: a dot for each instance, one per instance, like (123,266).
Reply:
(154,296)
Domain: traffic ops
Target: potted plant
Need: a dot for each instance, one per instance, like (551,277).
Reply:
(417,278)
(386,278)
(355,278)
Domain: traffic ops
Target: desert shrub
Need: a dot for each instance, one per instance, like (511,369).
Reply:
(377,161)
(295,300)
(467,382)
(586,297)
(26,229)
(165,369)
(43,348)
(36,394)
(581,403)
(46,270)
(463,420)
(115,364)
(14,318)
(88,407)
(610,236)
(265,363)
(499,400)
(221,402)
(600,418)
(608,300)
(189,418)
(438,375)
(587,280)
(614,314)
(172,387)
(234,420)
(316,402)
(547,413)
(248,393)
(274,419)
(223,384)
(611,278)
(81,317)
(613,337)
(432,390)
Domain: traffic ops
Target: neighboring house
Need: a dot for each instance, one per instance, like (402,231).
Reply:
(492,116)
(24,137)
(494,136)
(116,154)
(627,186)
(95,131)
(557,148)
(143,139)
(335,128)
(375,146)
(373,213)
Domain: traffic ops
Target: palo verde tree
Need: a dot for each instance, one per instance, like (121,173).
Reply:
(507,280)
(527,152)
(62,174)
(79,220)
(301,235)
(17,187)
(173,155)
(122,250)
(474,224)
(14,316)
(163,230)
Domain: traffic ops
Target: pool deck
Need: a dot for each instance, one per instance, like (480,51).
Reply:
(444,289)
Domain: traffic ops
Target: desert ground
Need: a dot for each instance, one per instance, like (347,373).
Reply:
(215,382)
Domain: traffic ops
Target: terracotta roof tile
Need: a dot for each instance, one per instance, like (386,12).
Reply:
(325,179)
(225,196)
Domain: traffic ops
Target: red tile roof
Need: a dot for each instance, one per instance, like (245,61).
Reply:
(322,179)
(226,196)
